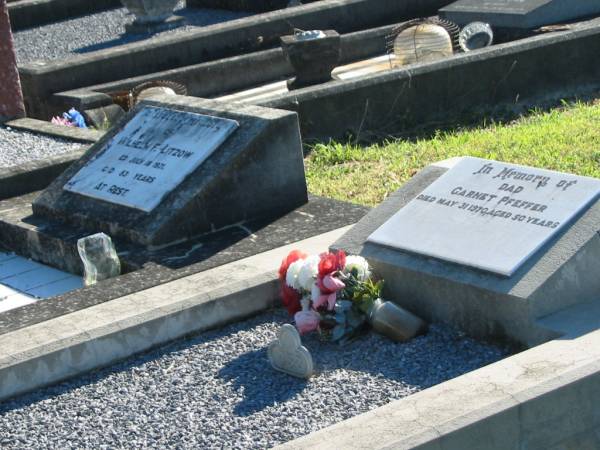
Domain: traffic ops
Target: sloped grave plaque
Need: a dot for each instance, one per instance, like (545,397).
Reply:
(487,215)
(519,13)
(153,153)
(178,167)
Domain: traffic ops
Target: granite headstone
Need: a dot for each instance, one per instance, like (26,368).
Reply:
(519,13)
(177,167)
(11,97)
(487,246)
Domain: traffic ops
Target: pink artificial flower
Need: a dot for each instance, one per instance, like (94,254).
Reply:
(61,121)
(328,285)
(307,321)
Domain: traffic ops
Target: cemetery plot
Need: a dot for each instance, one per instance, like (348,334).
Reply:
(195,180)
(102,30)
(488,246)
(208,391)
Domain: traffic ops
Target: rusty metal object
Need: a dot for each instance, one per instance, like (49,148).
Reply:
(139,92)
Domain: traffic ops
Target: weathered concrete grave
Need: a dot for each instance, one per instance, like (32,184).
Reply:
(488,246)
(173,183)
(174,169)
(518,13)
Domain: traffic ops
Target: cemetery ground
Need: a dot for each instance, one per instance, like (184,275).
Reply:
(215,389)
(173,353)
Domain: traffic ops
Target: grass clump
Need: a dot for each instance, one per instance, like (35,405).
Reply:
(565,139)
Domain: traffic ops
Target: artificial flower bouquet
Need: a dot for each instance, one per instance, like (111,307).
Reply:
(330,293)
(72,118)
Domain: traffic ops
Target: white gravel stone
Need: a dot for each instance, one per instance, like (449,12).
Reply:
(18,147)
(217,390)
(101,30)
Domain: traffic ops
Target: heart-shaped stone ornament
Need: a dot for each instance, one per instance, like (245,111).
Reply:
(288,355)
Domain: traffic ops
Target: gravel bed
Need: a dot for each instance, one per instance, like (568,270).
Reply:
(217,390)
(18,147)
(101,30)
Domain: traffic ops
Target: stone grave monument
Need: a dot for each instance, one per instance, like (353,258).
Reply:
(487,246)
(519,13)
(11,97)
(174,169)
(178,167)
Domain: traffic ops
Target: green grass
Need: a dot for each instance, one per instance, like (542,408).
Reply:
(566,139)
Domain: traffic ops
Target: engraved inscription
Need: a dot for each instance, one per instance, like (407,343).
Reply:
(150,157)
(487,214)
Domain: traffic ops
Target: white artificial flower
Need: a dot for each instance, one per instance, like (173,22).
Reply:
(360,264)
(308,272)
(291,276)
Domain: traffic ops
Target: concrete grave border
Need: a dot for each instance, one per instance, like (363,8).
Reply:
(503,77)
(97,336)
(543,398)
(42,79)
(38,174)
(213,78)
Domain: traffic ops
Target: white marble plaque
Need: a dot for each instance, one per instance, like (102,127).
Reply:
(153,153)
(488,215)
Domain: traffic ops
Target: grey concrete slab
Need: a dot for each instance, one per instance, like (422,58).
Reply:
(518,13)
(483,304)
(220,192)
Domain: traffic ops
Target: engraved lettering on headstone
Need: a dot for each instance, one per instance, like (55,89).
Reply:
(488,215)
(150,157)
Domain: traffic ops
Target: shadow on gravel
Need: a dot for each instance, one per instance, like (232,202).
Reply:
(262,385)
(194,17)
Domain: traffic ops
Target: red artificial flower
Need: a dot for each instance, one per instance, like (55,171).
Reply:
(290,298)
(331,262)
(292,257)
